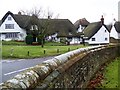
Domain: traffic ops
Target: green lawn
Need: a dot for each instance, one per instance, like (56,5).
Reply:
(21,51)
(111,74)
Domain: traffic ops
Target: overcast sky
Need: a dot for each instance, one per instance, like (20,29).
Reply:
(67,9)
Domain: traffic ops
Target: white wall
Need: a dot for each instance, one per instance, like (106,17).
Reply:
(100,37)
(75,41)
(114,33)
(17,29)
(119,11)
(80,29)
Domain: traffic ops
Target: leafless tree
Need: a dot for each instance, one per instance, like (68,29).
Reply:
(34,11)
(43,25)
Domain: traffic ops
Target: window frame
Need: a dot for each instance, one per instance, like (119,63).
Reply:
(106,39)
(9,26)
(11,35)
(93,39)
(9,18)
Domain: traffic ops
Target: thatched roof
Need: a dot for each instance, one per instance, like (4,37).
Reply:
(117,26)
(63,27)
(82,22)
(92,29)
(109,27)
(21,20)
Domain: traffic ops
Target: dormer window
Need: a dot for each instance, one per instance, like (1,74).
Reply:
(9,18)
(34,27)
(70,33)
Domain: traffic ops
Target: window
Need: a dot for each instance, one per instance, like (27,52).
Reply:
(105,30)
(34,27)
(106,39)
(93,39)
(11,35)
(69,32)
(9,26)
(9,18)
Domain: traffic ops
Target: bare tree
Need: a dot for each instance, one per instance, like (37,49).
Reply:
(34,11)
(42,25)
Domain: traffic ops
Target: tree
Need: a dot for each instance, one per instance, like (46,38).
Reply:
(39,26)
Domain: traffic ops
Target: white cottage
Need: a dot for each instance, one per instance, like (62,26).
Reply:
(10,29)
(17,26)
(115,31)
(97,33)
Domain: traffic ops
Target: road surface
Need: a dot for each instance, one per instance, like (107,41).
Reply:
(10,68)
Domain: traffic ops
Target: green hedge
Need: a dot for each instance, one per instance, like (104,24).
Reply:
(29,39)
(13,43)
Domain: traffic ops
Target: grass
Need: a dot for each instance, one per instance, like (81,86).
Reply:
(21,51)
(111,73)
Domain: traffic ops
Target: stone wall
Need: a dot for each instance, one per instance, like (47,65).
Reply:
(70,70)
(112,40)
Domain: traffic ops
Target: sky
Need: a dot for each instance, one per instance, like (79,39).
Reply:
(73,10)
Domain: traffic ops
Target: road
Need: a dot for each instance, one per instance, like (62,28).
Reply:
(10,68)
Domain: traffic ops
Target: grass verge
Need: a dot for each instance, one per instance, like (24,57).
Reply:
(111,74)
(15,51)
(107,77)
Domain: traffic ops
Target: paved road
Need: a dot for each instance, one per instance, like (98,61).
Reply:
(10,68)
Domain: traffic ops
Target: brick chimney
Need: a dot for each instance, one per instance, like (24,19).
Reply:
(102,20)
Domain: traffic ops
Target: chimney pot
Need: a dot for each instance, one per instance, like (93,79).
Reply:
(102,20)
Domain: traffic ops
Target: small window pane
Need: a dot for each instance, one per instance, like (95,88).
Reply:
(9,18)
(93,39)
(105,39)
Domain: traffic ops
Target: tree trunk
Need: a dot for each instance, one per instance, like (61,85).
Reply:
(42,43)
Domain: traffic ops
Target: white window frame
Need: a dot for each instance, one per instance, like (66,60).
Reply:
(34,27)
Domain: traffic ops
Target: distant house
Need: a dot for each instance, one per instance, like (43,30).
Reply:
(81,24)
(18,26)
(59,29)
(96,33)
(115,31)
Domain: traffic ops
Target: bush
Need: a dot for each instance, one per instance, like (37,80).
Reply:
(39,39)
(63,40)
(29,39)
